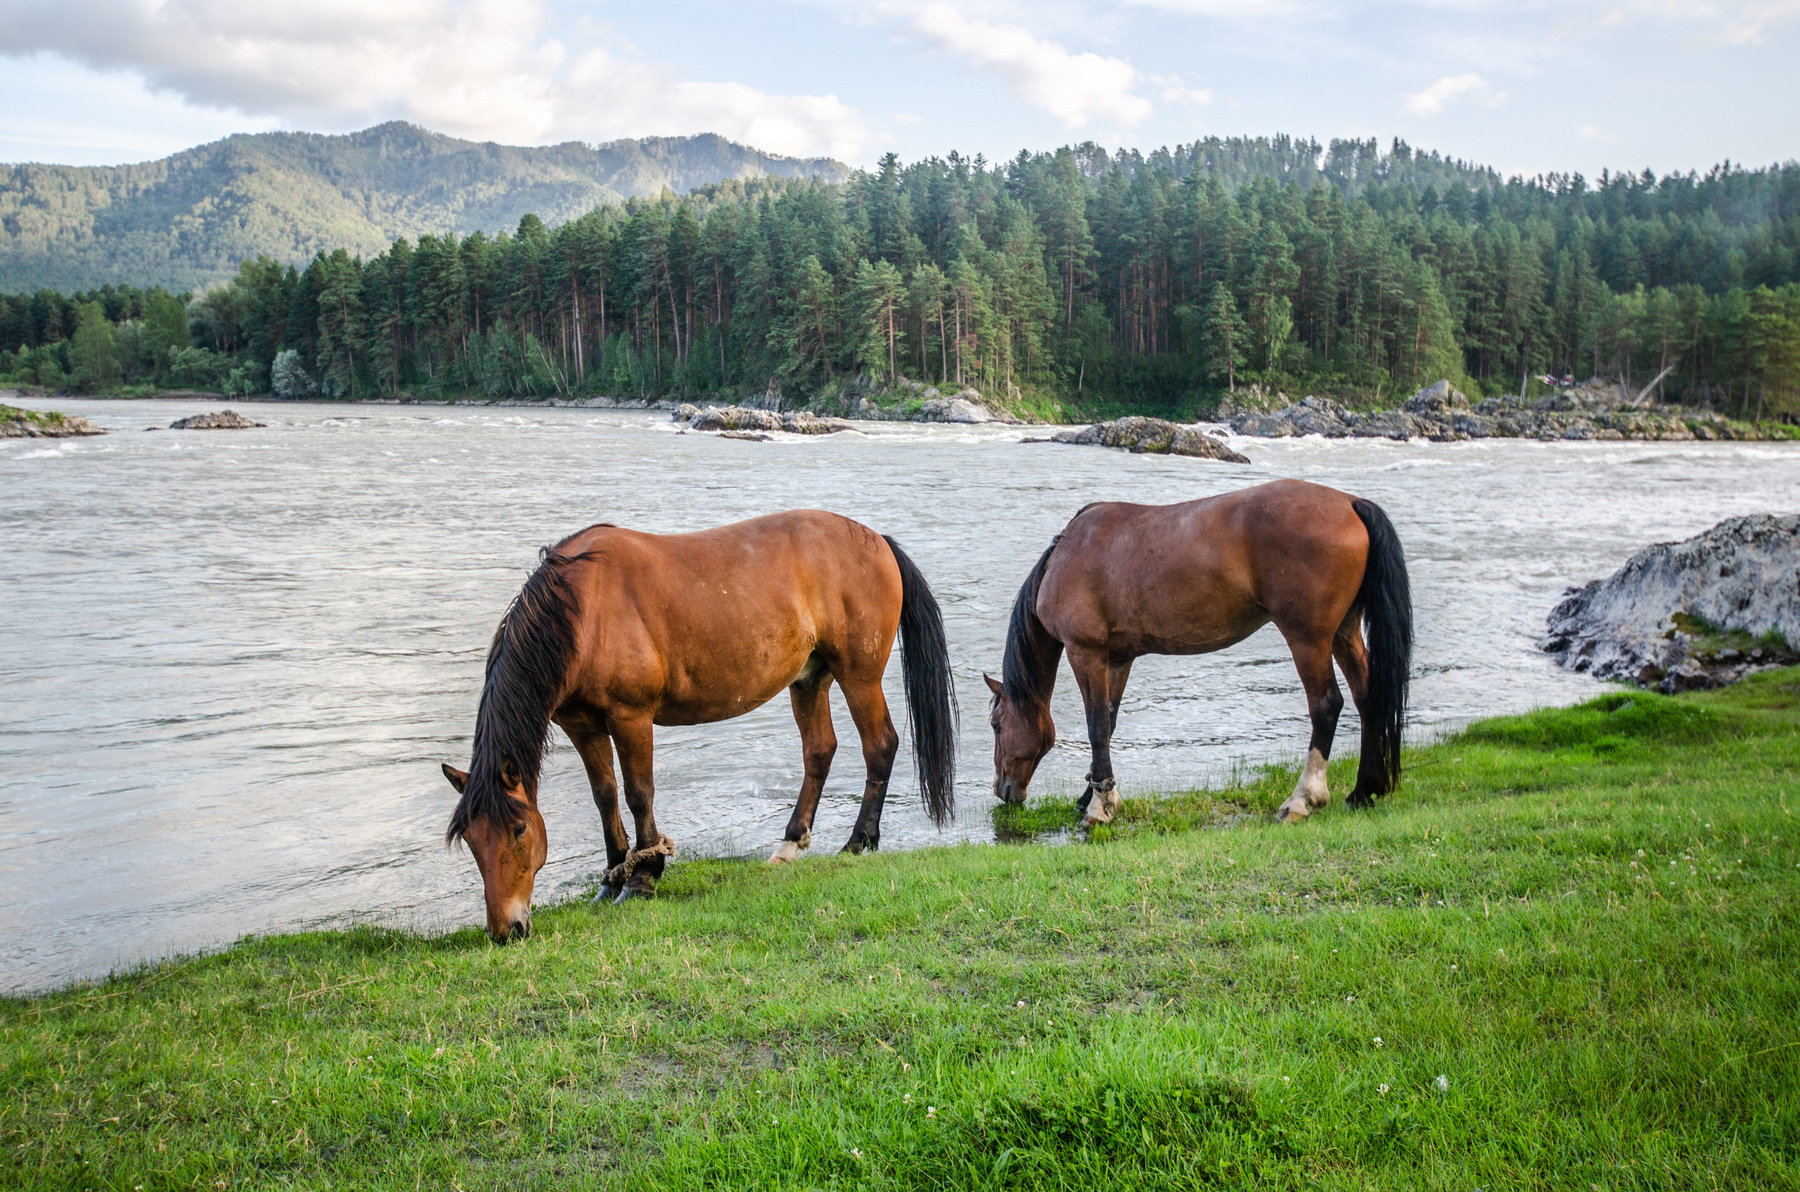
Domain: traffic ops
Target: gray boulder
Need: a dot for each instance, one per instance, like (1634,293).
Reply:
(223,420)
(1151,436)
(734,418)
(1308,416)
(804,422)
(964,407)
(1439,401)
(1662,618)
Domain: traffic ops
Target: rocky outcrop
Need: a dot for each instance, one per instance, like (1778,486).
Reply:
(30,424)
(1442,414)
(964,407)
(223,420)
(1151,436)
(744,422)
(1683,615)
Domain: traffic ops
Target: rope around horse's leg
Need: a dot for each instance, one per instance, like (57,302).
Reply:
(619,874)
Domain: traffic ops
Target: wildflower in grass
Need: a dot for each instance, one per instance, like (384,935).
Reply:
(856,1154)
(1383,1090)
(1442,1083)
(1021,1040)
(906,1100)
(1021,1005)
(930,1112)
(1378,1041)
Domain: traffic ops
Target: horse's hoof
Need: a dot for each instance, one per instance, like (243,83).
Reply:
(627,893)
(787,851)
(1081,804)
(606,894)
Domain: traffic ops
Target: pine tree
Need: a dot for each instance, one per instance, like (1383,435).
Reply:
(1224,337)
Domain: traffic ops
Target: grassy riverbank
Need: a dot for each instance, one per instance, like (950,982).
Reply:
(1563,957)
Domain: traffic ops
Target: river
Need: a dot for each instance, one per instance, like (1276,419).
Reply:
(232,661)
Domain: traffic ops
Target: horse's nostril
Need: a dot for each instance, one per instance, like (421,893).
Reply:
(521,929)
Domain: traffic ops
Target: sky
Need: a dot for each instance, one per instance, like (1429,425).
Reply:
(1525,86)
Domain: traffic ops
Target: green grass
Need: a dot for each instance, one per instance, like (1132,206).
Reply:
(1582,920)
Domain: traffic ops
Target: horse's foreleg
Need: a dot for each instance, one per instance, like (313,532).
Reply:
(635,740)
(1094,674)
(812,712)
(596,757)
(1323,703)
(1353,660)
(869,708)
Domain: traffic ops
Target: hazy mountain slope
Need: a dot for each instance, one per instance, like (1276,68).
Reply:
(190,218)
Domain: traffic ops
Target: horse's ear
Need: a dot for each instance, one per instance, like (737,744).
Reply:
(509,774)
(994,685)
(458,778)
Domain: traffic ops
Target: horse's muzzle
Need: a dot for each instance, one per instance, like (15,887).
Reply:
(518,929)
(1008,791)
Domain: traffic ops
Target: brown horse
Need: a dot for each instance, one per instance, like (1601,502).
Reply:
(1122,581)
(618,631)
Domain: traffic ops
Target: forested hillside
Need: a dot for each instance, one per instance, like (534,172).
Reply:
(1155,283)
(187,220)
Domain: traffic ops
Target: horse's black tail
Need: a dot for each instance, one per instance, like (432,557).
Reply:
(930,690)
(1386,600)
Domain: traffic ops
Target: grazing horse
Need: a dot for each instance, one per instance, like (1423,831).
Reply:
(1122,581)
(618,631)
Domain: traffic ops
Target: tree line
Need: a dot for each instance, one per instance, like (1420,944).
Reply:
(1156,282)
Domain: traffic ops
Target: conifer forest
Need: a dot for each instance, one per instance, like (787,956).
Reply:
(1062,281)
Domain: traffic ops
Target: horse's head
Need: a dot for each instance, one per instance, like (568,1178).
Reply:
(1023,734)
(509,843)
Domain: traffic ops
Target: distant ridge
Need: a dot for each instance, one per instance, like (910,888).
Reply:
(188,219)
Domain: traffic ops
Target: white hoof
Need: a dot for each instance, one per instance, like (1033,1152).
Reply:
(1295,809)
(1103,805)
(789,851)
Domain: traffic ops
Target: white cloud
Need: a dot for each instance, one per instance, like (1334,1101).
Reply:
(1750,21)
(1175,90)
(1078,89)
(485,69)
(1433,99)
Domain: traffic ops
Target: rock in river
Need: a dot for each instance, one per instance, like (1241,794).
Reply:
(30,424)
(742,419)
(223,420)
(1682,615)
(1153,436)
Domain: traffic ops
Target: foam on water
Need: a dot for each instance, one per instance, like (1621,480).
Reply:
(228,688)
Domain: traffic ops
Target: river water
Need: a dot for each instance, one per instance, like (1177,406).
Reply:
(232,661)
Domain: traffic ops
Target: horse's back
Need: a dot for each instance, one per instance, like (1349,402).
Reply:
(714,622)
(1201,575)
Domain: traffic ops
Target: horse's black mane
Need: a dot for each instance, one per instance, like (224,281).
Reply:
(1028,671)
(526,666)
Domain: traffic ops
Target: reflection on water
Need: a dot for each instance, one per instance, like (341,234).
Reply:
(233,660)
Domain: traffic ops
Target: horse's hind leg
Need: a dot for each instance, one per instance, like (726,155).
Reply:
(1312,657)
(812,712)
(1353,660)
(596,757)
(869,708)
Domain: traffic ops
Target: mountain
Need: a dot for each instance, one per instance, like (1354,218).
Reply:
(190,218)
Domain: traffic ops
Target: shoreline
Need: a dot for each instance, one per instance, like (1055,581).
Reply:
(1662,424)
